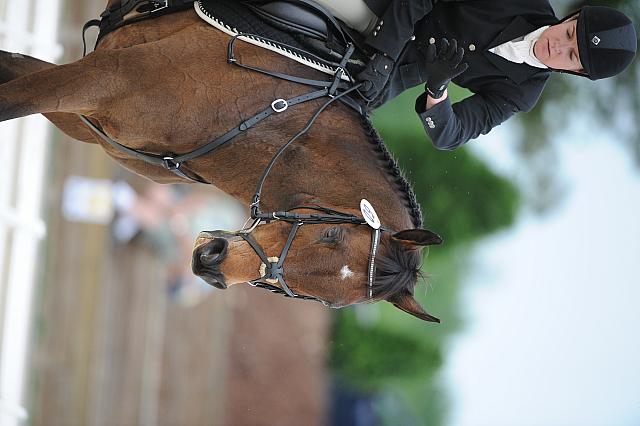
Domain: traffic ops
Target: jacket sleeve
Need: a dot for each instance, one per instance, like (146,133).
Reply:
(396,25)
(450,126)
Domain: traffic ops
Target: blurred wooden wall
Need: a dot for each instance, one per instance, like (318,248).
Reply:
(100,340)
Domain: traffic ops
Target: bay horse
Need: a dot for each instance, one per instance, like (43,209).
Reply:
(164,85)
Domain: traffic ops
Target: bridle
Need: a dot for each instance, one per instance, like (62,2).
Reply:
(335,89)
(273,267)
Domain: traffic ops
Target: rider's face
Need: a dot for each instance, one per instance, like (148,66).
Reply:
(557,47)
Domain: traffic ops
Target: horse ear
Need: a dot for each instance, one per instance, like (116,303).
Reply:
(418,237)
(405,302)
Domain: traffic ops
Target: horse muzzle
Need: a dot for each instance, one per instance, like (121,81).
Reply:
(210,251)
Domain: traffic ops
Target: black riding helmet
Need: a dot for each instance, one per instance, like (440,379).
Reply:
(607,41)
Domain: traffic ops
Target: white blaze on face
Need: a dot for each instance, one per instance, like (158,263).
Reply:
(345,272)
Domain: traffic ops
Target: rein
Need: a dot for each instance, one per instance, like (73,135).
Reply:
(335,89)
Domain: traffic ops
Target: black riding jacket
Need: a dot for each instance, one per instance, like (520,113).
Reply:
(501,88)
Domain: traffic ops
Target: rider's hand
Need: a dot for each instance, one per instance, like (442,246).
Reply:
(442,65)
(375,75)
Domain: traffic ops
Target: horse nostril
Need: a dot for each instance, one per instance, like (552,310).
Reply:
(209,259)
(213,253)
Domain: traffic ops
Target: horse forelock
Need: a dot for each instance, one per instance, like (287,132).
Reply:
(390,165)
(396,271)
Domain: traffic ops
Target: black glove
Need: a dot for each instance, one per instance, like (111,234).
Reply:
(375,75)
(442,66)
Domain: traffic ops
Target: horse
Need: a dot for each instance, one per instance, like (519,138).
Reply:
(164,85)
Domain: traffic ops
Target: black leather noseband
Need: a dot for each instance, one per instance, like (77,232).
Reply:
(274,267)
(274,270)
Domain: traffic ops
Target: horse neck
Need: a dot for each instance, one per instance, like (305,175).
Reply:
(338,165)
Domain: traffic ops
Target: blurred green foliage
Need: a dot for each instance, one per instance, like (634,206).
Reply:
(380,349)
(368,357)
(461,198)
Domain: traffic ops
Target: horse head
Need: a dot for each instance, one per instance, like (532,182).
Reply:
(326,262)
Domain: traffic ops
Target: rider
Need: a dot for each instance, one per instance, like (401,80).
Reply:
(502,50)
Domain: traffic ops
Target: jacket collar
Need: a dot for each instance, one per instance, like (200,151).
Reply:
(516,72)
(518,27)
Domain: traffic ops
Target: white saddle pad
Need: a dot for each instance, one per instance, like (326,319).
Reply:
(256,41)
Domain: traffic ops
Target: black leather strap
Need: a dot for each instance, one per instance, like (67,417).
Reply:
(89,24)
(277,270)
(256,247)
(166,162)
(246,125)
(329,216)
(173,163)
(333,85)
(119,15)
(231,58)
(274,270)
(255,205)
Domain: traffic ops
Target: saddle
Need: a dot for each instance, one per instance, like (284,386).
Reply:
(293,17)
(308,23)
(287,25)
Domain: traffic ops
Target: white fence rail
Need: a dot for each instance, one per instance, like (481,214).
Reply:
(30,27)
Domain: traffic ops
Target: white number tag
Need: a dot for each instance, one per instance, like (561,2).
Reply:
(369,214)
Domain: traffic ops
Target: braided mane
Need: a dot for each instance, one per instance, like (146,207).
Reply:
(393,170)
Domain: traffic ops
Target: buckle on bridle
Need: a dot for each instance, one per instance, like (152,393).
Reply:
(146,8)
(170,164)
(152,6)
(337,78)
(284,105)
(271,271)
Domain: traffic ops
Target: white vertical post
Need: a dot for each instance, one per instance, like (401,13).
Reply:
(29,136)
(8,134)
(11,412)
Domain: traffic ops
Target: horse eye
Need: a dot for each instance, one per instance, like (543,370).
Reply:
(332,234)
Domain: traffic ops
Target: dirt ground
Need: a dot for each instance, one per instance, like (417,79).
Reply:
(277,367)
